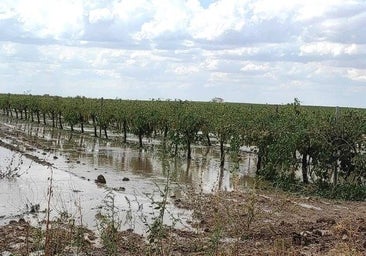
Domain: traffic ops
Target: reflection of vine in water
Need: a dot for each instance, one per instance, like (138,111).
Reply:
(183,170)
(81,143)
(141,164)
(29,130)
(43,133)
(221,176)
(59,141)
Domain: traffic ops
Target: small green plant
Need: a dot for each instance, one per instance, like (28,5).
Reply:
(345,191)
(214,241)
(108,224)
(37,235)
(78,230)
(251,209)
(158,234)
(48,251)
(157,231)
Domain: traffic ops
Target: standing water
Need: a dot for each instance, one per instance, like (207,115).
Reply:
(135,177)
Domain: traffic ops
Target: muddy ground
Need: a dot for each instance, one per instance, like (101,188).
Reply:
(253,221)
(259,222)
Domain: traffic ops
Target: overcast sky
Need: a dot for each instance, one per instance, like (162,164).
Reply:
(260,51)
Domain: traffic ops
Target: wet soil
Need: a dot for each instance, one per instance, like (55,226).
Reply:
(259,222)
(262,222)
(74,161)
(249,220)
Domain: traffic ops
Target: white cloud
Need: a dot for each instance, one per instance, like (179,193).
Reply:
(220,17)
(51,18)
(128,10)
(6,11)
(317,8)
(210,64)
(328,48)
(267,9)
(8,48)
(186,70)
(175,49)
(252,67)
(294,84)
(100,15)
(357,74)
(298,10)
(218,76)
(108,73)
(168,17)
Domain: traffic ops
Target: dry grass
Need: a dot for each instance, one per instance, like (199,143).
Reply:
(237,223)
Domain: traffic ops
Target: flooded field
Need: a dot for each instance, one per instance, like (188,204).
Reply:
(210,208)
(32,156)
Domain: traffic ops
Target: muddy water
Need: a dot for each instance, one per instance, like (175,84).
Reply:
(134,177)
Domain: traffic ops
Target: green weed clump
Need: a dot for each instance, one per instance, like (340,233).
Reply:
(109,224)
(345,191)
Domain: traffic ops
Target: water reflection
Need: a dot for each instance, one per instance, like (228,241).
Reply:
(141,164)
(83,153)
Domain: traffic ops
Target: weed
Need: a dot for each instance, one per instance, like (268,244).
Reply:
(108,224)
(37,235)
(157,231)
(251,208)
(130,219)
(13,167)
(159,237)
(215,240)
(78,230)
(48,247)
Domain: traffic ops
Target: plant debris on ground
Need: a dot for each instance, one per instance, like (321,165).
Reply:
(258,222)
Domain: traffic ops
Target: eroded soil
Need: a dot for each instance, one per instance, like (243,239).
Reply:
(257,222)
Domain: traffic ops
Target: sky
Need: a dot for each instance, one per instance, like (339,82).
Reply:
(253,51)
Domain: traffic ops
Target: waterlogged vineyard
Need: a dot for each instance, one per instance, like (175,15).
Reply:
(309,149)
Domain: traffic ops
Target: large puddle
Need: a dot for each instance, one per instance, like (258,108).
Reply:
(135,178)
